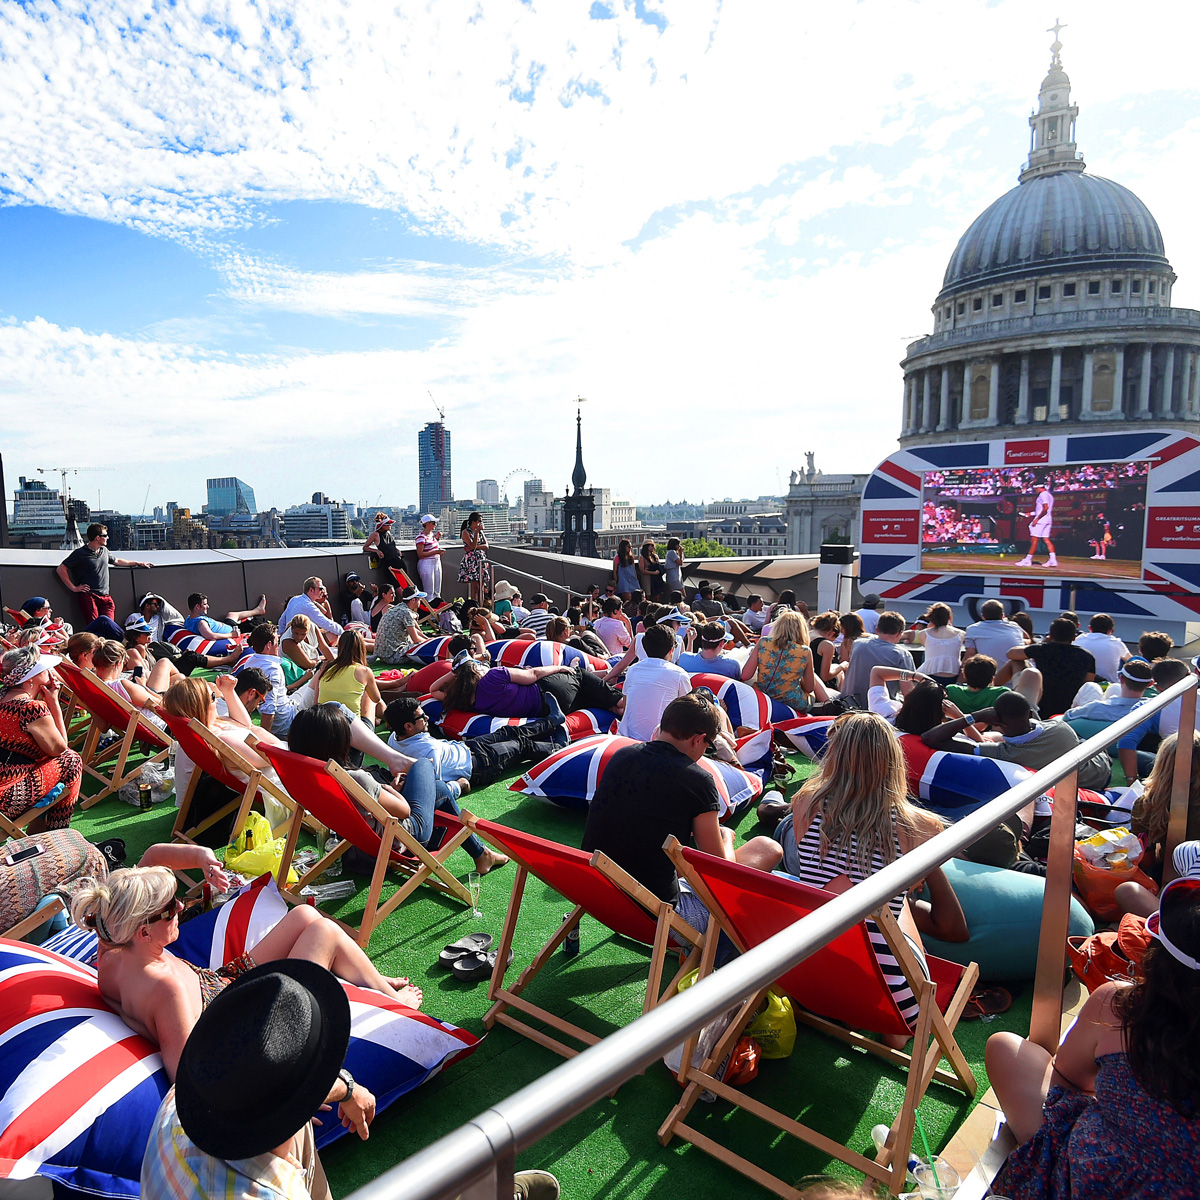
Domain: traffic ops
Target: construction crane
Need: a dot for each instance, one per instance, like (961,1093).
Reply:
(441,412)
(63,472)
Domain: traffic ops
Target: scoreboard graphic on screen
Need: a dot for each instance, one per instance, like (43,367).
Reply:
(1104,521)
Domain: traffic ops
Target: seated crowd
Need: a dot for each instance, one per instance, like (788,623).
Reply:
(989,690)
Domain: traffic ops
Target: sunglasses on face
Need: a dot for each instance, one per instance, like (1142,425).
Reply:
(172,910)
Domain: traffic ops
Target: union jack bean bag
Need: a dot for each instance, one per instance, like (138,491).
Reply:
(517,652)
(587,722)
(434,650)
(745,705)
(419,682)
(79,1090)
(184,639)
(570,777)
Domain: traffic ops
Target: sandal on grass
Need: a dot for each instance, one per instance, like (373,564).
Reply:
(473,944)
(473,967)
(987,1002)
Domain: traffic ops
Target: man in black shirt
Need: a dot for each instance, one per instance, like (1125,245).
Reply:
(89,565)
(656,789)
(1064,667)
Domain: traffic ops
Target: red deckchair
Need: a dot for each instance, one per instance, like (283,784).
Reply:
(840,985)
(107,710)
(595,885)
(403,581)
(333,798)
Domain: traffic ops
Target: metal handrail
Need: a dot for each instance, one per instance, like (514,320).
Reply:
(545,584)
(475,1150)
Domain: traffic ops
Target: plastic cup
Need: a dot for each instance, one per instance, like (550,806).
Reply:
(947,1181)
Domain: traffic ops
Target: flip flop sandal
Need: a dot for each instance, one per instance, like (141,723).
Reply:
(987,1002)
(473,967)
(473,943)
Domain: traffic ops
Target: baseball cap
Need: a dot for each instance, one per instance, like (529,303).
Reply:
(427,517)
(353,577)
(872,600)
(136,623)
(539,598)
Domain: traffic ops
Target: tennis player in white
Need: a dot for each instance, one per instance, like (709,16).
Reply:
(1039,528)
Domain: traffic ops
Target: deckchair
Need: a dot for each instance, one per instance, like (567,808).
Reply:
(597,887)
(107,710)
(218,760)
(838,990)
(403,581)
(337,801)
(35,920)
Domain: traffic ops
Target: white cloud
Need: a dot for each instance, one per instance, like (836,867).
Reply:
(754,154)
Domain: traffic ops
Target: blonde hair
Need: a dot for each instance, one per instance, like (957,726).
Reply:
(110,652)
(81,643)
(825,1187)
(188,698)
(861,791)
(116,910)
(789,628)
(1153,810)
(298,627)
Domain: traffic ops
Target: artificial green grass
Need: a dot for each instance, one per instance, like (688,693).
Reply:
(609,1150)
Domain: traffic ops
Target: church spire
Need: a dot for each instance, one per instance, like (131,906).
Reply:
(579,475)
(1052,127)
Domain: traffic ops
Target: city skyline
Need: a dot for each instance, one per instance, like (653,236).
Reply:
(268,252)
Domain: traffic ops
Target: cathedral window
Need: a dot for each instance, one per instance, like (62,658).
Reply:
(1117,286)
(1093,287)
(997,299)
(1044,291)
(1019,296)
(977,304)
(1152,287)
(1135,286)
(1068,289)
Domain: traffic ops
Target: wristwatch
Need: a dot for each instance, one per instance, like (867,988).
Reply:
(348,1080)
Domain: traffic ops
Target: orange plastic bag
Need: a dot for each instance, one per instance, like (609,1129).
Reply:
(1096,885)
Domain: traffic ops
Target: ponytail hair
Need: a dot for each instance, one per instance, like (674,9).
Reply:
(116,910)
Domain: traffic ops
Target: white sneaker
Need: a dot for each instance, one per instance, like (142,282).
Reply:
(1100,557)
(1025,562)
(1051,562)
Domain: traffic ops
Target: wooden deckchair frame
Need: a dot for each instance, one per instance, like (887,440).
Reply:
(507,1001)
(430,866)
(35,920)
(933,1038)
(137,728)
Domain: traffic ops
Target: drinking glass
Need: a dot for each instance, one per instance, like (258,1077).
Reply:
(947,1179)
(475,887)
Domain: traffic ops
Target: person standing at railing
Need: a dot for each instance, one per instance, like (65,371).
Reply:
(473,570)
(89,564)
(429,555)
(383,551)
(1115,1112)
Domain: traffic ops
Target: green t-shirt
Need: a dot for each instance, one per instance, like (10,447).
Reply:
(970,701)
(291,671)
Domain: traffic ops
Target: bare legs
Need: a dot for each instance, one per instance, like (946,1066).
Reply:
(308,934)
(761,853)
(364,739)
(259,610)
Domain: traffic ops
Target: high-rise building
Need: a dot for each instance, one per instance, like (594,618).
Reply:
(229,495)
(487,490)
(434,489)
(38,510)
(316,522)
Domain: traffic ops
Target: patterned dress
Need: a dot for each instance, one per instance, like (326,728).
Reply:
(26,774)
(1122,1143)
(781,672)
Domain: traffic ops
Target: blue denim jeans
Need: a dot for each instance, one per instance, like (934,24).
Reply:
(425,794)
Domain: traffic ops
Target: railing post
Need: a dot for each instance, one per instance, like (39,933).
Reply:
(1045,1023)
(497,1184)
(1181,783)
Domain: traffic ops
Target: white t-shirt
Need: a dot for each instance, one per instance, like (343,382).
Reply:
(641,654)
(1040,525)
(650,685)
(1108,651)
(878,701)
(613,633)
(870,618)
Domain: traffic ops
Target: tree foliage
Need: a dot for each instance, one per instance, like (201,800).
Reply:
(699,548)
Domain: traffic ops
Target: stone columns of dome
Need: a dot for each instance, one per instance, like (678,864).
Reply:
(1164,401)
(1188,383)
(1144,384)
(1023,393)
(1085,410)
(964,417)
(1118,408)
(944,415)
(994,392)
(910,404)
(927,401)
(1055,386)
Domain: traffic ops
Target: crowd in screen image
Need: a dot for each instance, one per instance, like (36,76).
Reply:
(688,707)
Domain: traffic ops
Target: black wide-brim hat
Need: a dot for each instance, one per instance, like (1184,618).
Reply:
(261,1059)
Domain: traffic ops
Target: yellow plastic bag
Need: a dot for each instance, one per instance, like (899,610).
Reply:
(254,851)
(774,1028)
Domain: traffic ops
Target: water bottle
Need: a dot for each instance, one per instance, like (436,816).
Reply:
(335,868)
(321,892)
(571,943)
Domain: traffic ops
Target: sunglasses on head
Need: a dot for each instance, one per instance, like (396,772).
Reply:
(172,910)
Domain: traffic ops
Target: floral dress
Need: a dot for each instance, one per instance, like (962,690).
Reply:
(26,774)
(473,568)
(781,672)
(1122,1143)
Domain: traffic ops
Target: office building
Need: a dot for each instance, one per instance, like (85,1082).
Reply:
(37,511)
(487,490)
(315,523)
(434,488)
(229,495)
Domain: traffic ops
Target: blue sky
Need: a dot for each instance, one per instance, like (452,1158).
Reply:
(250,239)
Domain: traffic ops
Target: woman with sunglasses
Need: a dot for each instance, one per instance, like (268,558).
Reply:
(1116,1110)
(135,914)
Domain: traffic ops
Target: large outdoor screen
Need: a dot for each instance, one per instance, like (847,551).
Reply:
(1081,521)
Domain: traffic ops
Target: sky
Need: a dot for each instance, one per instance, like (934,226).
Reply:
(266,240)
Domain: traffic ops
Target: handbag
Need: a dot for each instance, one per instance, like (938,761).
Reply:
(1110,955)
(1096,885)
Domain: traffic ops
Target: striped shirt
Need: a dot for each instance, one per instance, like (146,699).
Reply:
(175,1168)
(537,620)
